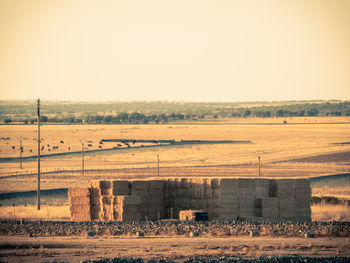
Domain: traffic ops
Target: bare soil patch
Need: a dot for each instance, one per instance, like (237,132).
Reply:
(76,249)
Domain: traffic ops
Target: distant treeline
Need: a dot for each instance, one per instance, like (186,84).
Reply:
(162,112)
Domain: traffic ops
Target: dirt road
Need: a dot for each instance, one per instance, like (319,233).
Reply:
(79,248)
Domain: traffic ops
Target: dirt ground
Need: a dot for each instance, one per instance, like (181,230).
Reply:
(78,248)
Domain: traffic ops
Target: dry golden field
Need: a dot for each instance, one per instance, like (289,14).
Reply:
(274,141)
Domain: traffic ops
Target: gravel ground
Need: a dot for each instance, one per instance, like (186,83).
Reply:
(231,259)
(212,228)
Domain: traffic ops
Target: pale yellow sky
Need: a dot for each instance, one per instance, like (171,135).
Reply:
(192,50)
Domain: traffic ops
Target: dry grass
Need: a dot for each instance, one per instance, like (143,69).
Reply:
(326,212)
(277,142)
(342,192)
(54,213)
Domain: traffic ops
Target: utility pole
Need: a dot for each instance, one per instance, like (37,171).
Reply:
(259,157)
(38,191)
(20,152)
(82,158)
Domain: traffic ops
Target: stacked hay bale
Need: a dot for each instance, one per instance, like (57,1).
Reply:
(229,199)
(221,198)
(79,204)
(169,197)
(285,191)
(193,215)
(182,199)
(126,208)
(270,208)
(120,187)
(95,200)
(101,200)
(195,193)
(155,204)
(262,191)
(214,205)
(140,188)
(302,199)
(204,204)
(246,198)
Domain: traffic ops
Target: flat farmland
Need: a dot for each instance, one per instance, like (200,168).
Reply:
(282,148)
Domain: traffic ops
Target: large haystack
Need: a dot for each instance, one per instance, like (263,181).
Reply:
(220,198)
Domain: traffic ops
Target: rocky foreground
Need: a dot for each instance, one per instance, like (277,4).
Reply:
(170,228)
(231,260)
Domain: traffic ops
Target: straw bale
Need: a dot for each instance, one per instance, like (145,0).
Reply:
(233,196)
(183,203)
(80,216)
(215,203)
(188,214)
(247,209)
(95,214)
(184,183)
(106,200)
(203,203)
(127,200)
(182,193)
(228,185)
(156,194)
(139,185)
(269,202)
(156,184)
(303,211)
(142,193)
(262,192)
(79,200)
(170,183)
(200,192)
(155,203)
(131,209)
(228,209)
(78,192)
(269,213)
(192,203)
(95,184)
(302,183)
(105,187)
(206,183)
(287,203)
(214,183)
(229,190)
(94,201)
(155,214)
(229,202)
(246,183)
(262,183)
(207,192)
(246,196)
(107,213)
(303,193)
(215,193)
(177,183)
(121,187)
(302,202)
(94,192)
(80,208)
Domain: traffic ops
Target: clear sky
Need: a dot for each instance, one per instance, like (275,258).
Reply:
(190,50)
